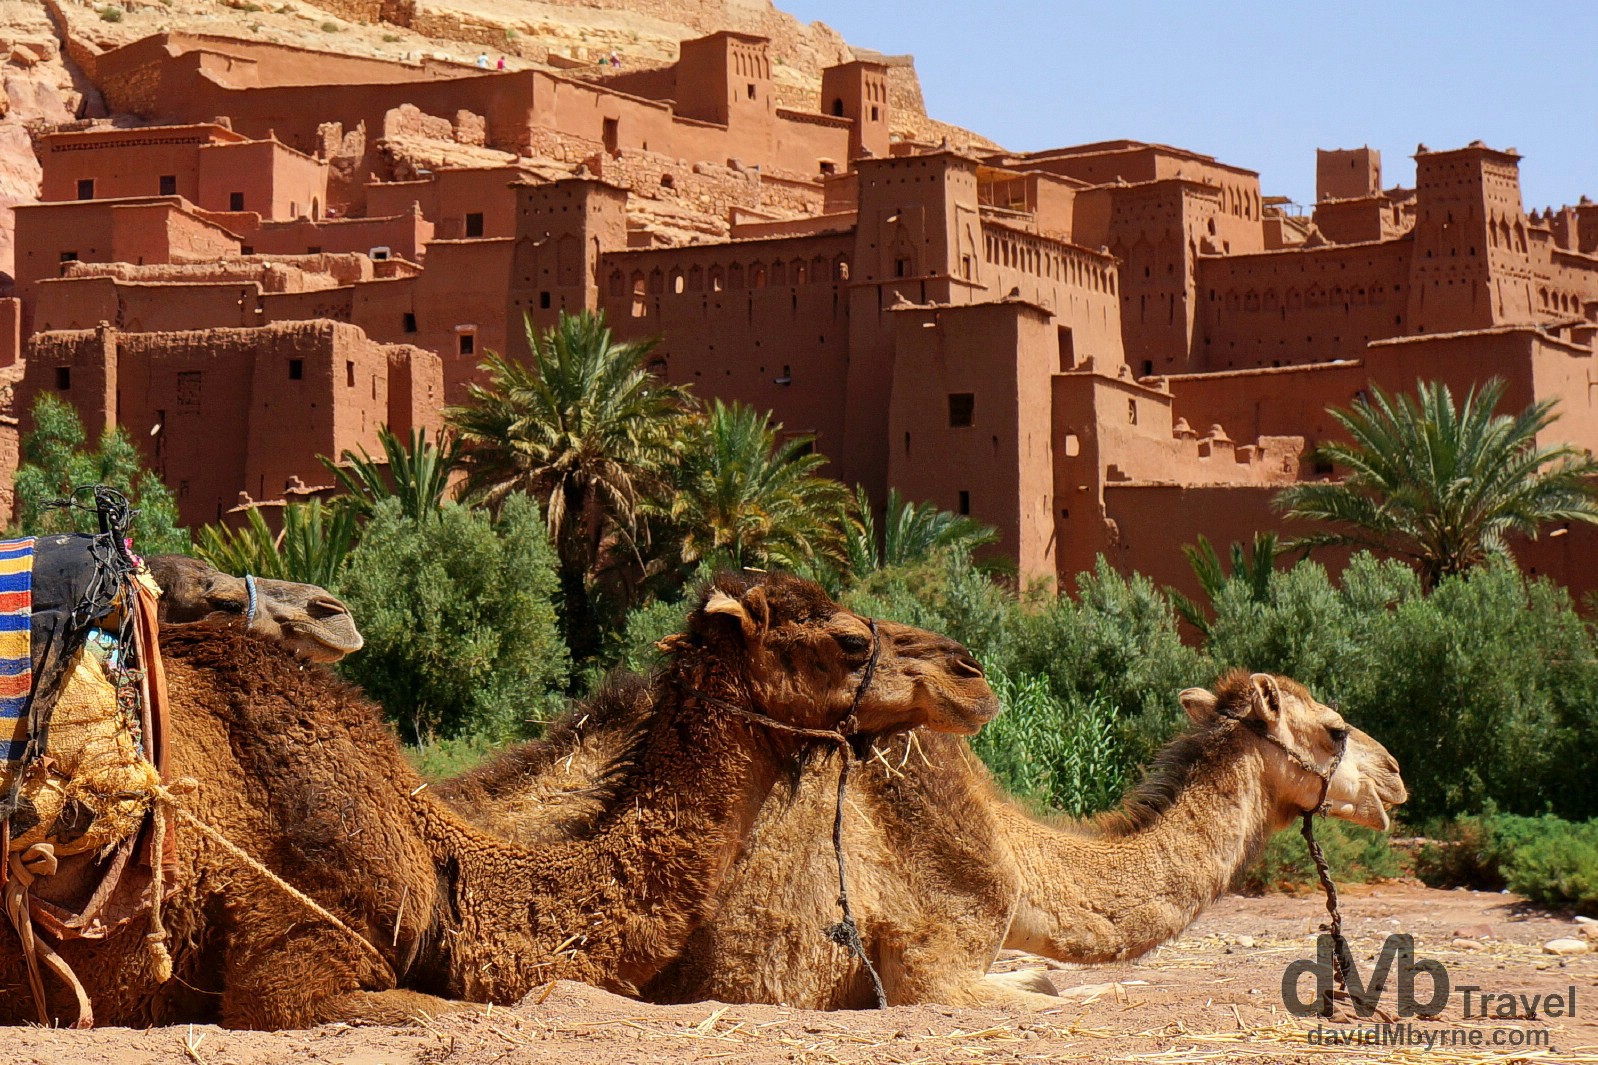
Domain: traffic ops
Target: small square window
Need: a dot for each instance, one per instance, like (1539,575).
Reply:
(69,256)
(965,501)
(466,343)
(409,322)
(296,369)
(246,249)
(235,201)
(349,375)
(169,184)
(749,90)
(543,301)
(63,378)
(86,189)
(962,409)
(474,224)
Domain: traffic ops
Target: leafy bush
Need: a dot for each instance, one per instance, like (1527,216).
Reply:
(111,14)
(1053,753)
(459,618)
(1117,644)
(1483,690)
(331,27)
(55,460)
(1352,853)
(1547,859)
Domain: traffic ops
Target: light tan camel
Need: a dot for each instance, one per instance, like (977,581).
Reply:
(306,618)
(944,871)
(298,770)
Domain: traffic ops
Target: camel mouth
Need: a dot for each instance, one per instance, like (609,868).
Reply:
(968,718)
(323,641)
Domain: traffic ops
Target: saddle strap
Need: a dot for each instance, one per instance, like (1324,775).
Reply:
(40,860)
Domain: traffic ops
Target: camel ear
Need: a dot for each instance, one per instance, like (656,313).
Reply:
(671,644)
(1199,704)
(749,621)
(1267,701)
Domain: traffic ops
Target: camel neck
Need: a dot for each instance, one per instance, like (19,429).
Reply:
(1093,895)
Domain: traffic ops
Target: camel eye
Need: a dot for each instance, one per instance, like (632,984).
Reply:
(853,643)
(1338,734)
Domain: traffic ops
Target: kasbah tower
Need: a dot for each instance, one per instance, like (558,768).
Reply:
(250,254)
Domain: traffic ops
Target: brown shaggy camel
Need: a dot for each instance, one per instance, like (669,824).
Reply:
(306,618)
(299,771)
(944,871)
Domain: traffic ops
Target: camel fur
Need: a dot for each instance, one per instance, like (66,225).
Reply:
(299,771)
(944,871)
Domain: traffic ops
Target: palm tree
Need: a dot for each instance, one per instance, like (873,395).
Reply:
(910,533)
(1254,569)
(1443,486)
(415,471)
(586,430)
(745,497)
(315,540)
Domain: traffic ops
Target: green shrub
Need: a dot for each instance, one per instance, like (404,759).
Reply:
(441,759)
(1115,644)
(56,459)
(459,618)
(1353,854)
(1052,753)
(111,14)
(1547,859)
(331,27)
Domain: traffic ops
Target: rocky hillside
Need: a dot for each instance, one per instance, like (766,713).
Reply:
(41,86)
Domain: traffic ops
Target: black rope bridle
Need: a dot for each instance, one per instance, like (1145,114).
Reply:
(1342,956)
(846,933)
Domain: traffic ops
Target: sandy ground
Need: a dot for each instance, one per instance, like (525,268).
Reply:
(1213,995)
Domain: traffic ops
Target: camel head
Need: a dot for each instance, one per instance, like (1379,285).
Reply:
(306,618)
(804,659)
(1290,724)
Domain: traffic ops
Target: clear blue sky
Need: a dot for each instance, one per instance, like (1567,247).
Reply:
(1259,85)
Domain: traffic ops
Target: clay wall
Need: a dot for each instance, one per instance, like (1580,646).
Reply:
(125,163)
(81,303)
(462,292)
(764,322)
(404,236)
(513,104)
(231,410)
(10,341)
(1301,305)
(1357,221)
(133,231)
(331,304)
(1153,232)
(969,420)
(1078,285)
(1347,174)
(262,176)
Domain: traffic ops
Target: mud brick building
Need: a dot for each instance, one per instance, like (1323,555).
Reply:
(1102,349)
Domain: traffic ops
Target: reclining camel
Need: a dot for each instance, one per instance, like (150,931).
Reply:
(944,871)
(298,771)
(306,618)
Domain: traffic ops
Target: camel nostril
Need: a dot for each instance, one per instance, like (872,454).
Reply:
(968,667)
(325,608)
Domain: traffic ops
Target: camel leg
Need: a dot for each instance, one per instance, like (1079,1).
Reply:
(312,975)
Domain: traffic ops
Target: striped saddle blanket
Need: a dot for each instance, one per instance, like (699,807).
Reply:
(63,698)
(16,660)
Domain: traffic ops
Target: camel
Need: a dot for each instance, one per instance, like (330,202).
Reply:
(306,618)
(298,771)
(944,871)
